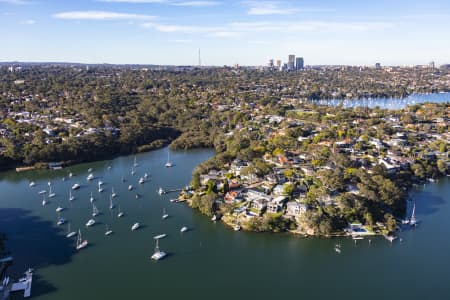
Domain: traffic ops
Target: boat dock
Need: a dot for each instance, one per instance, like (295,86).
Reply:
(24,284)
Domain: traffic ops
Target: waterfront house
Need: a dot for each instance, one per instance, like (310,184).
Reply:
(259,204)
(295,209)
(276,204)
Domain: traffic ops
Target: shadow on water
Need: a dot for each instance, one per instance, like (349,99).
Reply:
(31,240)
(427,203)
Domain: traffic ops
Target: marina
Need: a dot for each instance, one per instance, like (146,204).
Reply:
(193,242)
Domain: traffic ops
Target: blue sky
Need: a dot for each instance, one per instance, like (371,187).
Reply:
(227,32)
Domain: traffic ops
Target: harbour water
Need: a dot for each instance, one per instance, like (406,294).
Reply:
(210,260)
(389,103)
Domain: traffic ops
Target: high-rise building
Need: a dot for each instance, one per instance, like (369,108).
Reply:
(291,62)
(278,63)
(299,63)
(270,63)
(431,65)
(377,66)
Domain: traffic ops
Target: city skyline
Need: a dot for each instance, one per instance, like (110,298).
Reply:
(170,32)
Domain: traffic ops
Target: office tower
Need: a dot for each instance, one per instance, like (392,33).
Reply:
(299,63)
(278,63)
(270,63)
(377,66)
(291,62)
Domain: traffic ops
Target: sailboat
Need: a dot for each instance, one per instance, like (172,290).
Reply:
(44,202)
(92,198)
(90,177)
(71,197)
(413,220)
(130,187)
(168,163)
(141,180)
(108,231)
(113,194)
(111,204)
(51,194)
(59,208)
(158,253)
(120,214)
(60,221)
(95,211)
(70,233)
(76,186)
(135,226)
(100,189)
(32,184)
(80,242)
(135,164)
(184,229)
(90,223)
(133,171)
(165,215)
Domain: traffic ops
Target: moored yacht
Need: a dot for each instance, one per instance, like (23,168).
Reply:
(90,222)
(120,214)
(160,236)
(70,233)
(108,231)
(76,186)
(158,253)
(32,184)
(184,229)
(80,242)
(90,177)
(135,226)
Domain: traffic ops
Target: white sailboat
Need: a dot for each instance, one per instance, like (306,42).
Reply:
(100,189)
(71,197)
(413,220)
(90,223)
(59,208)
(70,233)
(90,177)
(141,180)
(130,187)
(108,231)
(135,164)
(184,229)
(165,214)
(111,204)
(113,194)
(168,163)
(32,184)
(160,236)
(76,186)
(135,226)
(91,198)
(60,221)
(158,253)
(51,194)
(95,211)
(42,192)
(80,242)
(44,202)
(120,214)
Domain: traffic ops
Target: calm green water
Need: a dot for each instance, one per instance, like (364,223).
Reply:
(210,261)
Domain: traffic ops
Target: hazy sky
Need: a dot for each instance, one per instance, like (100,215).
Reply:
(392,32)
